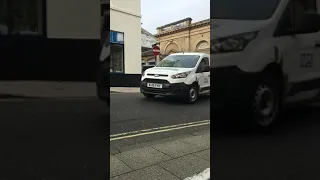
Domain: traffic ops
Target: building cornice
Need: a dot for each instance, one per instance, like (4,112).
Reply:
(124,11)
(192,26)
(173,23)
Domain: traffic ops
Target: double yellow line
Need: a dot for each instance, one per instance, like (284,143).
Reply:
(157,130)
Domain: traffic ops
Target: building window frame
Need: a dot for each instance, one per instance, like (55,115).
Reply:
(123,50)
(42,23)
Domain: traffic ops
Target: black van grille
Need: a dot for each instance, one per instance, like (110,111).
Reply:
(160,81)
(160,75)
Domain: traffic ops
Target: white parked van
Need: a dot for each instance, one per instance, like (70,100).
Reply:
(264,53)
(181,74)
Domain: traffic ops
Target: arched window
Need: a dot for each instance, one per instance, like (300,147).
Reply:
(202,45)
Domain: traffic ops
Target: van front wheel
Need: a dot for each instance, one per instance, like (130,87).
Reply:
(193,94)
(266,103)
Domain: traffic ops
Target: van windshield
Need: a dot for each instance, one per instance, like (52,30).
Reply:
(243,9)
(179,61)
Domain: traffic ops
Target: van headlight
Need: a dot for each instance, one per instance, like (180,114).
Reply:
(180,75)
(232,43)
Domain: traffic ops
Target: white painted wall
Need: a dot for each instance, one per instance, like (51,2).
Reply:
(76,19)
(129,6)
(125,16)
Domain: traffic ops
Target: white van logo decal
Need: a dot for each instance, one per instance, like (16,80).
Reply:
(306,60)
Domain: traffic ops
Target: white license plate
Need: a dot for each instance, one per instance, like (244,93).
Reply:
(154,85)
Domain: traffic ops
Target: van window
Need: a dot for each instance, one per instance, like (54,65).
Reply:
(301,7)
(204,62)
(292,17)
(243,9)
(180,61)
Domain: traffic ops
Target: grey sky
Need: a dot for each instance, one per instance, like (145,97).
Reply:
(157,13)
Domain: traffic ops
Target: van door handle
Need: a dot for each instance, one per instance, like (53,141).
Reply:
(317,45)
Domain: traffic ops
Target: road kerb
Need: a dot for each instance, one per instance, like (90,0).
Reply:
(157,130)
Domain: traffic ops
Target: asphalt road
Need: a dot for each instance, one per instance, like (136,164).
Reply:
(290,152)
(54,139)
(131,111)
(69,139)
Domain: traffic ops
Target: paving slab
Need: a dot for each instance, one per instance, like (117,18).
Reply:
(205,154)
(176,148)
(117,167)
(114,150)
(202,141)
(150,173)
(125,89)
(185,166)
(140,158)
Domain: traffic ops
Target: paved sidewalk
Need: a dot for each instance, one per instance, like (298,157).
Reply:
(169,159)
(125,89)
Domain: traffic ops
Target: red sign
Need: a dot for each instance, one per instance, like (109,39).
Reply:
(156,50)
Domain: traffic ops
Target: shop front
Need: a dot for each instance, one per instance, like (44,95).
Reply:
(125,43)
(49,40)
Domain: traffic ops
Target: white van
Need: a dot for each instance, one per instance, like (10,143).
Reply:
(186,75)
(264,54)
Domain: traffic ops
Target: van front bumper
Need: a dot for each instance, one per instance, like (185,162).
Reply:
(231,88)
(168,89)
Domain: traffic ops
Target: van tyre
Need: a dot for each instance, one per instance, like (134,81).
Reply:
(193,94)
(266,103)
(149,96)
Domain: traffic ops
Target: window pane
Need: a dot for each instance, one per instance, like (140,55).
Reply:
(242,9)
(3,18)
(287,19)
(117,58)
(301,8)
(116,37)
(26,16)
(206,61)
(119,37)
(179,61)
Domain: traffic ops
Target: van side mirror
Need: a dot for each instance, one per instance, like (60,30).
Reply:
(310,23)
(206,69)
